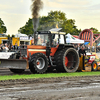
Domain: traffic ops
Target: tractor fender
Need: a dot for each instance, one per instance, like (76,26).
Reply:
(62,46)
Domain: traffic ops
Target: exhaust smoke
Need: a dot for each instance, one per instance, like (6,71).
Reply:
(37,5)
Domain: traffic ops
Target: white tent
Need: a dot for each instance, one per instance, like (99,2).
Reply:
(71,39)
(20,34)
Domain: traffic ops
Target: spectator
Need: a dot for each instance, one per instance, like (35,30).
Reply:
(19,47)
(15,46)
(5,48)
(93,49)
(0,48)
(11,47)
(88,48)
(78,47)
(83,53)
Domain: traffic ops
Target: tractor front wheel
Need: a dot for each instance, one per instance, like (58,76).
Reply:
(94,66)
(39,63)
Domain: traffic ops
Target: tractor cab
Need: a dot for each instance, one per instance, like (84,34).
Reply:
(50,38)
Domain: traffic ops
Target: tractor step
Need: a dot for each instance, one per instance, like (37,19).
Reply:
(13,63)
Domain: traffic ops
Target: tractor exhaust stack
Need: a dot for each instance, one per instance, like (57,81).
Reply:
(35,8)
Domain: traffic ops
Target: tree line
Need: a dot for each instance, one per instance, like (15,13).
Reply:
(54,19)
(3,28)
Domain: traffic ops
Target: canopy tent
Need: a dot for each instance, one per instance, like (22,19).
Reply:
(71,39)
(20,34)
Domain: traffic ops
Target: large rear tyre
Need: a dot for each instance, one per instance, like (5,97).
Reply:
(39,63)
(67,60)
(94,66)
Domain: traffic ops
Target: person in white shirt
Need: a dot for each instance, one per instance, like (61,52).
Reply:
(6,48)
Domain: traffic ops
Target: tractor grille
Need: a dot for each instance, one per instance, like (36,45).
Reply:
(23,51)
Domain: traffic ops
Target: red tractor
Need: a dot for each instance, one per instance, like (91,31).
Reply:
(49,52)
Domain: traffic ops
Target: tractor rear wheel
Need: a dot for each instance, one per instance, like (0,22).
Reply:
(67,60)
(39,63)
(94,66)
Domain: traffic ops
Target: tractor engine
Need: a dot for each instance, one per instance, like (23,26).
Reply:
(23,51)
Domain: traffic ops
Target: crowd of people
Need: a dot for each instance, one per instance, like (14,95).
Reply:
(8,47)
(88,48)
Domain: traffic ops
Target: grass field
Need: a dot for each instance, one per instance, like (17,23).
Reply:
(48,75)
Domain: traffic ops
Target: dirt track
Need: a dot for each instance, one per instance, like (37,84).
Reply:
(65,88)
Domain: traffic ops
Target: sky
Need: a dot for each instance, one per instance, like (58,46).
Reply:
(15,13)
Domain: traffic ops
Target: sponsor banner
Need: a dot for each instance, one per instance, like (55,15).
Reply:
(5,55)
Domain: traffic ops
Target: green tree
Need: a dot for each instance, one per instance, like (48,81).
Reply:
(69,27)
(27,28)
(95,31)
(3,28)
(52,20)
(58,18)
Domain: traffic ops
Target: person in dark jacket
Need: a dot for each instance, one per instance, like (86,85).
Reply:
(0,48)
(15,46)
(83,53)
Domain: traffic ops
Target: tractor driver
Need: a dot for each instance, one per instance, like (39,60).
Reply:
(83,53)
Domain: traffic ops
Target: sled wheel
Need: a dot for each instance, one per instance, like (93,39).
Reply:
(94,66)
(39,63)
(67,60)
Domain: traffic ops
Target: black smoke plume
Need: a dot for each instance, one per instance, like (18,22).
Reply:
(36,6)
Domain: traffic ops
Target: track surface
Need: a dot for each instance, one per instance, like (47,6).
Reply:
(72,88)
(65,88)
